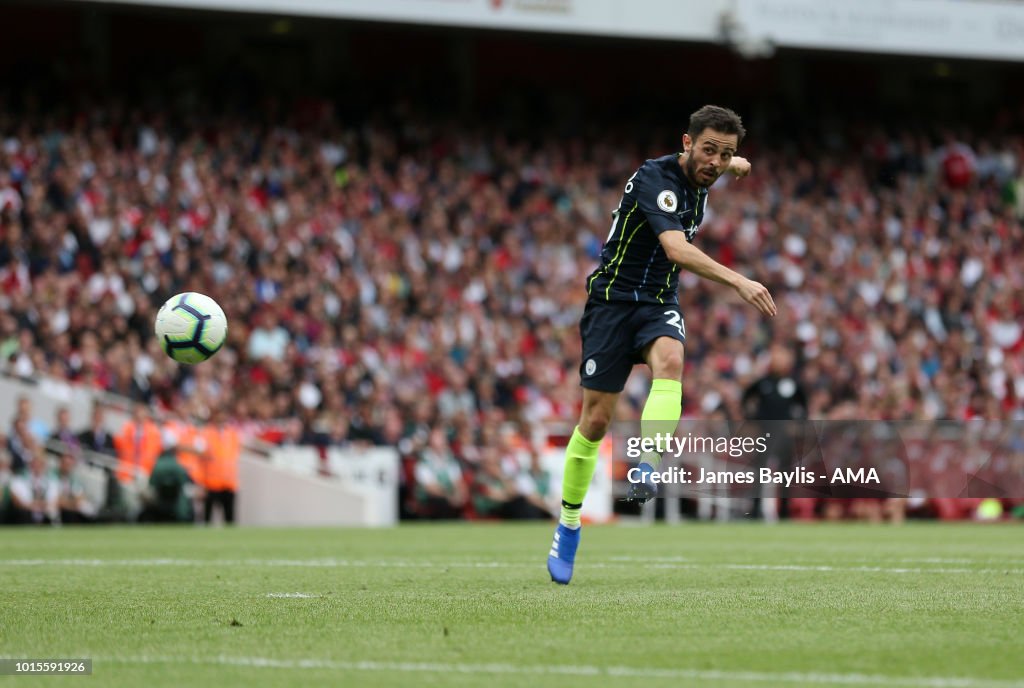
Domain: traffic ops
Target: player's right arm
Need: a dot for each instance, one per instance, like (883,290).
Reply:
(689,257)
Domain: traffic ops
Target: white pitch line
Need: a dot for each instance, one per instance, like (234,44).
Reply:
(291,595)
(308,563)
(653,560)
(577,670)
(827,568)
(821,568)
(654,563)
(940,560)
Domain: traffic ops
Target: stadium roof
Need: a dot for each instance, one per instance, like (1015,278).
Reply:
(985,29)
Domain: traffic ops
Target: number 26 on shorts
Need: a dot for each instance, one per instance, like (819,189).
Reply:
(675,320)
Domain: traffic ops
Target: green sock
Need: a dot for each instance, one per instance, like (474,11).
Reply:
(661,413)
(580,462)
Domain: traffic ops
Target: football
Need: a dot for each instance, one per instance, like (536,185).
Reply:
(191,327)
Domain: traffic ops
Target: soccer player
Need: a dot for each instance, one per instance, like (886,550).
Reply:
(632,313)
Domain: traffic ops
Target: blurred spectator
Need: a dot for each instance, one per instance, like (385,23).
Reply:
(497,494)
(191,445)
(776,396)
(138,445)
(957,163)
(534,484)
(35,495)
(362,428)
(337,435)
(21,444)
(96,438)
(62,431)
(520,462)
(167,500)
(441,491)
(267,339)
(456,398)
(223,445)
(73,504)
(36,427)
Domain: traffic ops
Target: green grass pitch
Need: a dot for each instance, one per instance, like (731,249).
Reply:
(923,605)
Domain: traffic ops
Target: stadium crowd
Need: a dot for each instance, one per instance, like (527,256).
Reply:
(385,282)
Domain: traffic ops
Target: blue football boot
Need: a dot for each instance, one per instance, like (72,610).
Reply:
(563,553)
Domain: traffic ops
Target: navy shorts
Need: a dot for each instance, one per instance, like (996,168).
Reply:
(614,335)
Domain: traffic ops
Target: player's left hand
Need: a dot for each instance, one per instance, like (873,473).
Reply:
(739,167)
(758,296)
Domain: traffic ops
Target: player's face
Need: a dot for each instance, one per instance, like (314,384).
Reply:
(708,156)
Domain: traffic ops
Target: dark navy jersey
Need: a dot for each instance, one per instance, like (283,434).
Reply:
(634,267)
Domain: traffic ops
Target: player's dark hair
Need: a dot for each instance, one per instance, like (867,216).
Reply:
(717,118)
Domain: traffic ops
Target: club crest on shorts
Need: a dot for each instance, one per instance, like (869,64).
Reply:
(667,201)
(591,366)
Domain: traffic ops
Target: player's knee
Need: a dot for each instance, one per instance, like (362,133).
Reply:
(668,365)
(594,423)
